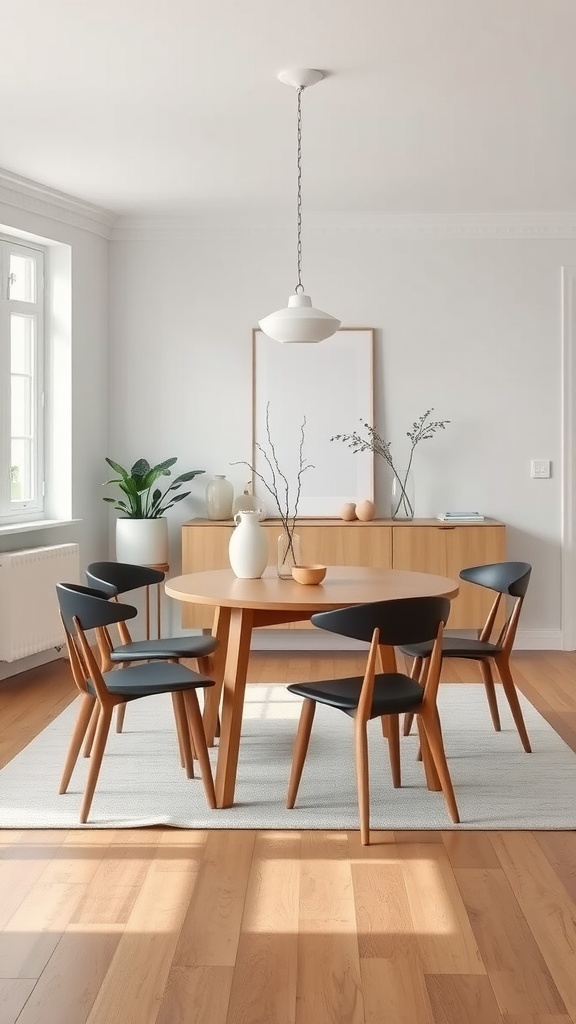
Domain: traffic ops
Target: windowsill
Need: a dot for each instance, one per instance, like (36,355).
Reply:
(37,524)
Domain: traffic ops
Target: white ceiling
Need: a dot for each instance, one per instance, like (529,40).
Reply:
(172,107)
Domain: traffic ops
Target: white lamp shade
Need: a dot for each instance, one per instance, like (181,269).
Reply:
(299,323)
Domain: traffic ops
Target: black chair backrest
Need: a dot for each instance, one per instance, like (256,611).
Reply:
(120,577)
(404,621)
(503,577)
(91,607)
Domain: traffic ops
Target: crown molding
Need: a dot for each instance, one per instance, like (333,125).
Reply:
(510,225)
(48,202)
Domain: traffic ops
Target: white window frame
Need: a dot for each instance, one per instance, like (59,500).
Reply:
(14,511)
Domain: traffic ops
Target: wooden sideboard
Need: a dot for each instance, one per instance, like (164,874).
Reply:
(425,545)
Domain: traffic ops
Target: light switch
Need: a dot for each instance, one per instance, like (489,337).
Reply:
(541,469)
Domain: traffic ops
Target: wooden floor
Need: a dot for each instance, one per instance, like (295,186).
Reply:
(156,926)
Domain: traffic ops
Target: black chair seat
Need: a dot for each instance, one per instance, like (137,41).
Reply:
(153,677)
(393,693)
(454,647)
(167,647)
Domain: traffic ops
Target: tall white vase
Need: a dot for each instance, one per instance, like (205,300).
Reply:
(142,541)
(248,548)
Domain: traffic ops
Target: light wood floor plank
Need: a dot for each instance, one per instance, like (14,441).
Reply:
(462,999)
(543,900)
(384,923)
(211,928)
(33,932)
(133,987)
(516,968)
(67,988)
(445,937)
(13,995)
(470,850)
(196,995)
(264,981)
(536,1018)
(329,984)
(395,990)
(558,847)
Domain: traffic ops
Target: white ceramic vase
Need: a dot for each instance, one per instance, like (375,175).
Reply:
(142,541)
(248,548)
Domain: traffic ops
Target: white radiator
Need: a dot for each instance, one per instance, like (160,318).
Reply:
(29,613)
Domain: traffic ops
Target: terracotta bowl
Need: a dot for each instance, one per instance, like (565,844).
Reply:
(308,574)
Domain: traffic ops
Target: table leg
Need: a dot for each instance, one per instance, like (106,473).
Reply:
(241,620)
(220,630)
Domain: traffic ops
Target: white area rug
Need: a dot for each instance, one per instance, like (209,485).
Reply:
(141,783)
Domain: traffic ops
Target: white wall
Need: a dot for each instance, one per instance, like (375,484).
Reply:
(468,325)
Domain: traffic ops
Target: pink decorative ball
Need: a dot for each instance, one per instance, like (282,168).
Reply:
(348,512)
(365,511)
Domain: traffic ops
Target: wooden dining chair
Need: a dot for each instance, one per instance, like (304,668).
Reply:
(116,578)
(507,580)
(82,609)
(383,695)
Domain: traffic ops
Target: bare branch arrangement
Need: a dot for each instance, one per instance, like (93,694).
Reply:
(276,482)
(422,430)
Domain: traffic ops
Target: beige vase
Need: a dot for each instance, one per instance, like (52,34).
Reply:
(142,541)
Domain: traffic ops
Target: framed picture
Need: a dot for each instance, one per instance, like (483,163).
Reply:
(302,395)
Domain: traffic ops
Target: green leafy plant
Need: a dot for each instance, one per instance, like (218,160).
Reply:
(422,430)
(142,500)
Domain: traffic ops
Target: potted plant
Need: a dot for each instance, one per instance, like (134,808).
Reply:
(142,527)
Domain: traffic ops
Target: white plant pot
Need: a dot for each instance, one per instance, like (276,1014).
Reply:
(142,541)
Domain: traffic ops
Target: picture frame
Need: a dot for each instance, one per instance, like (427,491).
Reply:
(330,386)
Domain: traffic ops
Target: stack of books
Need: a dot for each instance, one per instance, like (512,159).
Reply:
(461,517)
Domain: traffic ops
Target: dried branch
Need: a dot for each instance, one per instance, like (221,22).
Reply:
(422,430)
(277,483)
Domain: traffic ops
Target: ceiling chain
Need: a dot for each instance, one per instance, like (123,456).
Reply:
(299,286)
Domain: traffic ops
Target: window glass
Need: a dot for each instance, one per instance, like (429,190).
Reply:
(21,381)
(22,278)
(21,471)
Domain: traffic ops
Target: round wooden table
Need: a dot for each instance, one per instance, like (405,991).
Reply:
(243,605)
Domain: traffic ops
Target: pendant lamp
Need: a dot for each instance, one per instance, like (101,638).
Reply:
(300,322)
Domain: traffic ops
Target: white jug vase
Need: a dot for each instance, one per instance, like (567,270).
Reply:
(248,548)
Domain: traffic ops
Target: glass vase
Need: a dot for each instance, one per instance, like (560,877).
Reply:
(402,504)
(288,553)
(219,498)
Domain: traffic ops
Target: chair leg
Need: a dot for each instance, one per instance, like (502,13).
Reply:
(196,727)
(205,669)
(300,749)
(104,719)
(415,673)
(91,731)
(424,755)
(488,680)
(363,778)
(183,732)
(83,721)
(393,737)
(431,725)
(512,698)
(120,713)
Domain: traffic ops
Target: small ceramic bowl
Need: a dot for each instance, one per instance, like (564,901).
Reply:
(308,574)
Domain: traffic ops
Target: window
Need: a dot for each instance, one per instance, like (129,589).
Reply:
(21,381)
